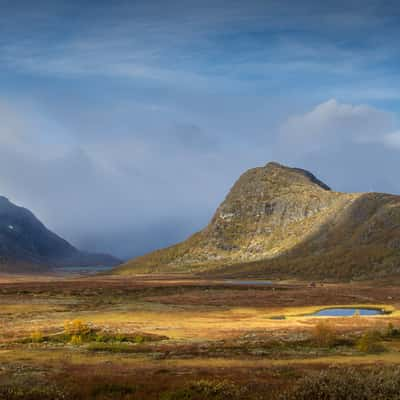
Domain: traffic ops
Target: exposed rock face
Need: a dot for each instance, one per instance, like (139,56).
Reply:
(262,201)
(27,245)
(283,221)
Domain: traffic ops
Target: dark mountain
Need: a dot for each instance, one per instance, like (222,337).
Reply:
(284,222)
(27,245)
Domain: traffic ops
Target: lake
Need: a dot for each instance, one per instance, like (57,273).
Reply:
(347,312)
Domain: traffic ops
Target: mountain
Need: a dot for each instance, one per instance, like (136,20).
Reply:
(27,245)
(282,222)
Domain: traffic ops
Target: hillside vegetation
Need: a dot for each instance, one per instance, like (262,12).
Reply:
(283,222)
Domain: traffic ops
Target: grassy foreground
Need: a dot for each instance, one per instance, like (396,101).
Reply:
(182,338)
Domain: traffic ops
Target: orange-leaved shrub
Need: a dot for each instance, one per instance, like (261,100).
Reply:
(324,334)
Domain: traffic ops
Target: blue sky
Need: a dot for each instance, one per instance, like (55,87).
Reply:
(125,123)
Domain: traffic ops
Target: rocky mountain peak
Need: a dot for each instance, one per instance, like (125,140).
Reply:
(271,191)
(288,175)
(262,201)
(269,210)
(282,221)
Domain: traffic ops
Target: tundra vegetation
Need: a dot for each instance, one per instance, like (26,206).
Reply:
(164,337)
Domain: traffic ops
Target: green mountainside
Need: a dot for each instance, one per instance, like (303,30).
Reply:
(283,222)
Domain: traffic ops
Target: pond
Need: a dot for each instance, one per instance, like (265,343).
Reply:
(247,282)
(347,312)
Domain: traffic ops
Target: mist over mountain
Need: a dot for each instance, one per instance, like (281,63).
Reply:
(27,245)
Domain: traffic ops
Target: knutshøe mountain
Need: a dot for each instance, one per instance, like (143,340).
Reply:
(283,222)
(26,245)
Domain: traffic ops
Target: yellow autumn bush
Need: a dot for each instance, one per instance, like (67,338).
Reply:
(37,336)
(76,327)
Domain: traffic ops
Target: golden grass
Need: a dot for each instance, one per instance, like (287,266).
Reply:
(214,329)
(40,356)
(13,309)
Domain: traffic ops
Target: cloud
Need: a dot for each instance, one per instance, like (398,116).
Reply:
(392,140)
(352,147)
(104,191)
(203,46)
(141,117)
(331,124)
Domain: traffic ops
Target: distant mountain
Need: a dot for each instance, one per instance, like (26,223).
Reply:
(27,245)
(283,222)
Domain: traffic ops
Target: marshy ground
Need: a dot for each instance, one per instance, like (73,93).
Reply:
(166,337)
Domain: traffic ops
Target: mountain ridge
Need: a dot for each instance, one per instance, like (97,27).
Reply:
(27,245)
(283,221)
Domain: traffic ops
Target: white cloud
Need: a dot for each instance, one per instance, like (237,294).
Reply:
(392,140)
(332,123)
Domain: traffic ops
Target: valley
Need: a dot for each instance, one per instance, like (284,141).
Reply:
(290,292)
(171,336)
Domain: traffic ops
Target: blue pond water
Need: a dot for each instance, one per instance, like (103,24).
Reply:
(247,282)
(346,312)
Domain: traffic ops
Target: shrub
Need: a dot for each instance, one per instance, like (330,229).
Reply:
(43,392)
(112,390)
(76,327)
(120,337)
(112,347)
(391,331)
(100,338)
(139,339)
(369,342)
(324,334)
(76,340)
(205,389)
(348,383)
(37,337)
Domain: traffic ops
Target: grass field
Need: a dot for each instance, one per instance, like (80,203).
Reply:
(180,338)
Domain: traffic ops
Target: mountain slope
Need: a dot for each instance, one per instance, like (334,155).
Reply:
(27,245)
(281,221)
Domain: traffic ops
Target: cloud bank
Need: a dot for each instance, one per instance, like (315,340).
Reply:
(334,124)
(123,125)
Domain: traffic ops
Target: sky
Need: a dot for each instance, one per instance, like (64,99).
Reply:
(124,124)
